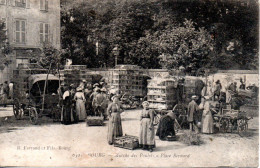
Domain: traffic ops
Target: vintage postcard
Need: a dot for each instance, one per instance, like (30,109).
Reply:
(129,83)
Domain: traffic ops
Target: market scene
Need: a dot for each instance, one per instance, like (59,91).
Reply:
(140,87)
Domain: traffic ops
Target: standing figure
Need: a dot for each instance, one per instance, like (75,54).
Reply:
(207,119)
(242,85)
(217,90)
(114,125)
(97,103)
(1,93)
(147,133)
(105,102)
(11,90)
(193,110)
(88,104)
(80,104)
(67,107)
(6,93)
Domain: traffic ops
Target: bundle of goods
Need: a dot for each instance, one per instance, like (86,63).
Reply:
(95,120)
(162,93)
(127,142)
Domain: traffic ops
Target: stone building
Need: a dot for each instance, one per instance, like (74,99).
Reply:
(29,23)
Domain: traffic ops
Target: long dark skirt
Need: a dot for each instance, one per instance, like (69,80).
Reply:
(67,111)
(166,127)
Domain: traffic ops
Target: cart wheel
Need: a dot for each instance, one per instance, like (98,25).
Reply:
(33,115)
(17,109)
(242,127)
(223,124)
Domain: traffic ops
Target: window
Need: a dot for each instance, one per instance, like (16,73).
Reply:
(21,61)
(20,27)
(44,5)
(2,2)
(44,32)
(20,3)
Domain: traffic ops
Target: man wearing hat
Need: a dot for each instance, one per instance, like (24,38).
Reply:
(97,103)
(193,110)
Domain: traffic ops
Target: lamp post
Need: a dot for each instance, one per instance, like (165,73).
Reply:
(116,53)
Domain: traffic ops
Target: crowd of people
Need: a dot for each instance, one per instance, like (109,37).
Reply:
(84,100)
(87,100)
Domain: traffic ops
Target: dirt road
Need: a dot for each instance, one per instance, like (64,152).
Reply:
(53,144)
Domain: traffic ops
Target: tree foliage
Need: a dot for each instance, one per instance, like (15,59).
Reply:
(5,47)
(192,34)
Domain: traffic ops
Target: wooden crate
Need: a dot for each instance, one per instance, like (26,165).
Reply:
(127,142)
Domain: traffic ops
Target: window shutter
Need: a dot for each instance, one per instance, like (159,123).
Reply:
(28,4)
(46,5)
(41,4)
(23,31)
(41,33)
(14,31)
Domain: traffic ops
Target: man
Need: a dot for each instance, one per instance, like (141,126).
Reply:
(11,90)
(242,85)
(98,102)
(193,110)
(217,90)
(6,93)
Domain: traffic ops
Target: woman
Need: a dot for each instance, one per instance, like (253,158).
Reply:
(80,104)
(166,126)
(67,107)
(147,140)
(207,119)
(114,125)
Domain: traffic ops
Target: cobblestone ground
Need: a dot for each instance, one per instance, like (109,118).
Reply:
(53,144)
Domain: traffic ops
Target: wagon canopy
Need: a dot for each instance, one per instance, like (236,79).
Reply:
(37,82)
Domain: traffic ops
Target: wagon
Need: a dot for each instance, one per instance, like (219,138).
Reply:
(31,101)
(233,121)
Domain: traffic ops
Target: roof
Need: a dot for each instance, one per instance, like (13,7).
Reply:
(41,77)
(238,71)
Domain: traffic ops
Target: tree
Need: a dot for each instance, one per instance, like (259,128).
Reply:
(5,47)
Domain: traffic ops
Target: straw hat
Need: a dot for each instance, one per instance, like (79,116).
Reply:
(145,102)
(79,89)
(96,85)
(103,89)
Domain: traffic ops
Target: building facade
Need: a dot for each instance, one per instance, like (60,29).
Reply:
(29,24)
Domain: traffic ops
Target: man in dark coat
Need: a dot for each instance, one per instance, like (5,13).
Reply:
(166,126)
(193,110)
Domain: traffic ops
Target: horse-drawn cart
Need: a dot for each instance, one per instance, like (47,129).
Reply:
(30,99)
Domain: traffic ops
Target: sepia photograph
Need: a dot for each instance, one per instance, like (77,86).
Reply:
(129,83)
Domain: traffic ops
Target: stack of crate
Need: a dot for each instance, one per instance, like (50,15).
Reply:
(127,79)
(189,88)
(71,76)
(162,93)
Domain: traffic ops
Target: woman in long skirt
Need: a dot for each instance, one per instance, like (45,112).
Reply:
(114,125)
(80,104)
(207,119)
(67,107)
(146,139)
